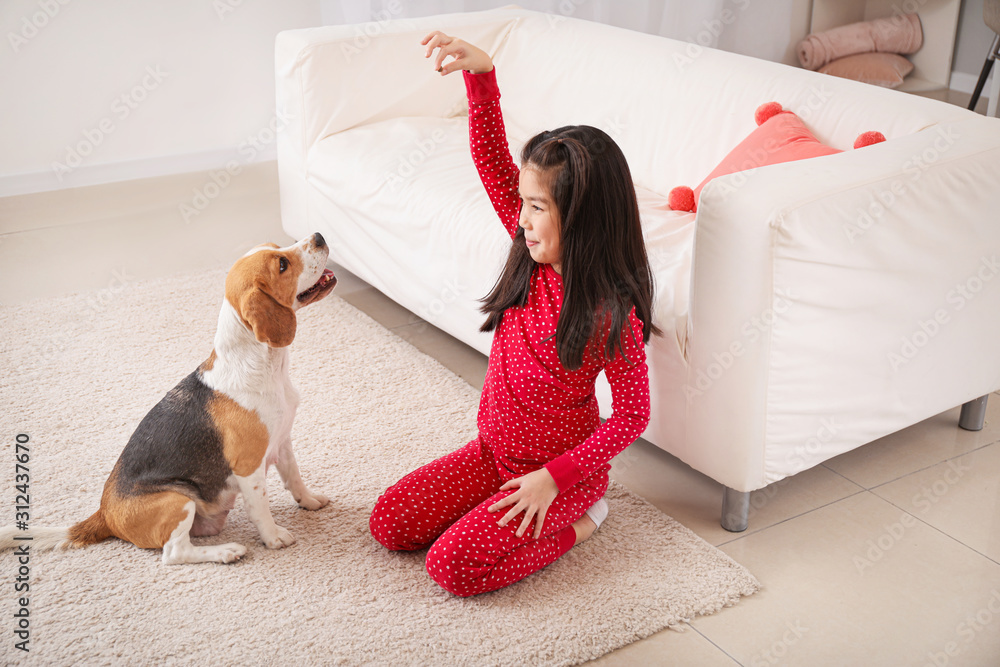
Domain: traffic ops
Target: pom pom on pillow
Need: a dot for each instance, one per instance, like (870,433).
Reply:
(681,198)
(766,112)
(868,138)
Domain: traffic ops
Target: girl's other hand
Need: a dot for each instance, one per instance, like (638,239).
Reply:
(466,56)
(535,492)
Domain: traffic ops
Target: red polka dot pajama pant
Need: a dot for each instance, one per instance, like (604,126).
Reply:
(444,505)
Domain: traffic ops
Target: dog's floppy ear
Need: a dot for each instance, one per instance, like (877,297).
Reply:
(272,322)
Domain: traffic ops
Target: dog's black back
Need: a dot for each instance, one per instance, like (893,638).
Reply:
(176,447)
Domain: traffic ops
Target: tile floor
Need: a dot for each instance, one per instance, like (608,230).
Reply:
(888,555)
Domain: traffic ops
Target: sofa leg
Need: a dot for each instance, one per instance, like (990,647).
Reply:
(735,510)
(973,414)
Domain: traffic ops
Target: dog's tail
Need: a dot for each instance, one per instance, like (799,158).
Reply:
(87,532)
(37,539)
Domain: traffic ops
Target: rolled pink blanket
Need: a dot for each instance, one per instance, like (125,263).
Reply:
(900,33)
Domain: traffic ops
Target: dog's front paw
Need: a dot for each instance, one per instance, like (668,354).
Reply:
(313,501)
(281,539)
(230,553)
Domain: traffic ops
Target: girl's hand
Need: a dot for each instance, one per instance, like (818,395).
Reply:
(467,56)
(535,492)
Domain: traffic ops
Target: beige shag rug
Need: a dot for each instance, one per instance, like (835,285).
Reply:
(78,373)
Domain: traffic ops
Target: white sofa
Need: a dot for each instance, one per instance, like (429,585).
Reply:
(809,308)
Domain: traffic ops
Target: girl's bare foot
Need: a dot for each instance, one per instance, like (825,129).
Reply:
(590,521)
(584,527)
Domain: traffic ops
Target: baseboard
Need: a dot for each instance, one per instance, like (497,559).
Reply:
(127,170)
(966,83)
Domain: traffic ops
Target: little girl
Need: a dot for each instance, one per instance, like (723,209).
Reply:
(574,298)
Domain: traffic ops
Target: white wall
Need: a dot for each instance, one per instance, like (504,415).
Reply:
(114,90)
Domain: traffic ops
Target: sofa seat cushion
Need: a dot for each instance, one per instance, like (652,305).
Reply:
(417,223)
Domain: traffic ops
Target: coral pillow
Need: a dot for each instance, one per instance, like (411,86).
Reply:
(881,69)
(781,138)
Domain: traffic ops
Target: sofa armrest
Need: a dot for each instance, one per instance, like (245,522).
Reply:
(333,78)
(826,300)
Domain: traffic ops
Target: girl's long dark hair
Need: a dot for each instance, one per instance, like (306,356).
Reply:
(605,270)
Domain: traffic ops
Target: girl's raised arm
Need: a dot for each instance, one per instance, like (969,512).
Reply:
(487,138)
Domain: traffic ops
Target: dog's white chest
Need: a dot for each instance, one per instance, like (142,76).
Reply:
(254,375)
(285,400)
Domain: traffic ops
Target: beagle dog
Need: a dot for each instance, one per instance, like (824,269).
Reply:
(217,432)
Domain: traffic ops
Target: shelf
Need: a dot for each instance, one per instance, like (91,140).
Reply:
(938,21)
(913,84)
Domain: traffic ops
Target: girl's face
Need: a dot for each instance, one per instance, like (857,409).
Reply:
(540,220)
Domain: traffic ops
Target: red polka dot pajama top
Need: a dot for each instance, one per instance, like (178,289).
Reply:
(533,412)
